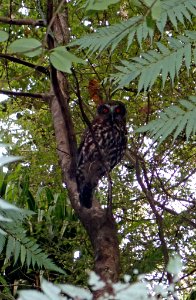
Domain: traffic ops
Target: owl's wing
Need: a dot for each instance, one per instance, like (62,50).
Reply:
(81,147)
(80,152)
(86,142)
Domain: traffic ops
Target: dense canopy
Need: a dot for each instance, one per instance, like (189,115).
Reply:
(58,60)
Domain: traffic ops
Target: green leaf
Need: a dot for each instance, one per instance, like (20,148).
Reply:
(62,60)
(130,39)
(179,14)
(181,126)
(3,36)
(161,22)
(172,17)
(74,291)
(109,36)
(187,56)
(165,131)
(173,118)
(28,258)
(10,246)
(2,241)
(191,124)
(149,3)
(30,47)
(23,253)
(32,294)
(16,251)
(156,10)
(162,62)
(99,4)
(6,205)
(3,219)
(187,104)
(8,159)
(50,289)
(175,265)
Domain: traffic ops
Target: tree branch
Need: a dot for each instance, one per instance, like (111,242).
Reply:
(40,69)
(100,226)
(159,219)
(22,94)
(174,213)
(29,22)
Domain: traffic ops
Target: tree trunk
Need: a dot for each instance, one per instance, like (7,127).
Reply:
(99,223)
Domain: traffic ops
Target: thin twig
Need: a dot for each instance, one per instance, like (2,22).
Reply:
(174,213)
(159,219)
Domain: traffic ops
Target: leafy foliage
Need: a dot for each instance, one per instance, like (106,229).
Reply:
(60,58)
(111,36)
(120,290)
(51,223)
(14,240)
(160,61)
(138,26)
(19,247)
(176,11)
(173,118)
(160,46)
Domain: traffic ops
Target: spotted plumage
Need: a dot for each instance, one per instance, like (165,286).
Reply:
(109,133)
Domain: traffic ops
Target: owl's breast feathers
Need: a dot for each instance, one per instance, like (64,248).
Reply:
(111,138)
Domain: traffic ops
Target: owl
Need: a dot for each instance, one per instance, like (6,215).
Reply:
(102,147)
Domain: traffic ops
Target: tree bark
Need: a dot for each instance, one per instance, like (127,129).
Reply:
(28,22)
(99,224)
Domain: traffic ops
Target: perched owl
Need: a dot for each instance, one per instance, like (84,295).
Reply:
(109,132)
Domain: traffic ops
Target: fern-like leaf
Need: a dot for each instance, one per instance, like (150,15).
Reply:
(163,61)
(137,27)
(112,35)
(17,245)
(109,36)
(176,11)
(173,119)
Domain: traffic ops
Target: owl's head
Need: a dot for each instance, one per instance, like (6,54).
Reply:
(113,110)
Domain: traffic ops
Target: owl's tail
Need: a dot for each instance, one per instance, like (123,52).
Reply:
(86,193)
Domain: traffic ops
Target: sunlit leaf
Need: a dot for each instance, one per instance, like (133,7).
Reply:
(50,290)
(74,291)
(30,47)
(3,219)
(156,10)
(99,4)
(175,265)
(8,159)
(3,36)
(62,60)
(173,119)
(7,205)
(32,294)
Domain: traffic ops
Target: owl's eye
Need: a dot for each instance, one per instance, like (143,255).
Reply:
(118,110)
(105,110)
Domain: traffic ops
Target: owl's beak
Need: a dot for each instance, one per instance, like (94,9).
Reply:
(111,118)
(112,114)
